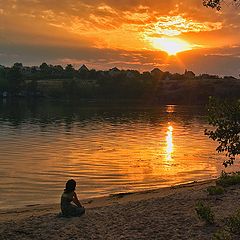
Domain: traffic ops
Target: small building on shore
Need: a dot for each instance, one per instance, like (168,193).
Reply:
(157,73)
(189,74)
(114,72)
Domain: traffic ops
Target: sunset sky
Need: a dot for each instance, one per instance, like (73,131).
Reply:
(128,34)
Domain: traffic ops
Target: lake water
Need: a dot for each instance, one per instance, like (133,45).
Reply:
(106,148)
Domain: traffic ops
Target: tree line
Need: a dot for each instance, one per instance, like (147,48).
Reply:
(55,81)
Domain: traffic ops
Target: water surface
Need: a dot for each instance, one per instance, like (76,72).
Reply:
(105,148)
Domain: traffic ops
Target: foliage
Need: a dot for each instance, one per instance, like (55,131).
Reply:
(228,179)
(15,79)
(233,223)
(225,117)
(217,3)
(70,87)
(204,212)
(69,83)
(32,86)
(3,83)
(230,228)
(222,235)
(215,190)
(70,71)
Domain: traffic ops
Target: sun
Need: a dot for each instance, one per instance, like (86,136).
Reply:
(171,45)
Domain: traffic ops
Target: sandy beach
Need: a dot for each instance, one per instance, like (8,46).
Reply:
(167,213)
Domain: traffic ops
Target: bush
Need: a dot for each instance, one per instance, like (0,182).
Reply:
(204,213)
(233,223)
(222,235)
(215,190)
(228,179)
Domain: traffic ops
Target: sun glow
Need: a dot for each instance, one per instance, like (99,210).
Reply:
(171,45)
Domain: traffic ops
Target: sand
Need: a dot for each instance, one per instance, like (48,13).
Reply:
(167,213)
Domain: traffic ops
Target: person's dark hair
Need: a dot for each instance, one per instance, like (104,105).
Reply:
(70,185)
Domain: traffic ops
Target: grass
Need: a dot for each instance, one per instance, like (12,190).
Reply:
(215,190)
(228,179)
(233,223)
(204,212)
(222,235)
(231,228)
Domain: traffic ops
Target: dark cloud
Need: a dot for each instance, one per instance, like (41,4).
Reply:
(224,61)
(219,61)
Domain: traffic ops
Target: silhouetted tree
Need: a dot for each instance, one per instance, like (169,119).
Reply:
(15,79)
(58,71)
(217,3)
(69,70)
(18,65)
(44,68)
(2,73)
(146,76)
(3,81)
(225,117)
(92,74)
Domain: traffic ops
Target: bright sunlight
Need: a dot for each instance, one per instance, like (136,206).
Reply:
(171,45)
(169,141)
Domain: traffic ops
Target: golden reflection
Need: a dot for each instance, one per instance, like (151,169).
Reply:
(169,143)
(170,108)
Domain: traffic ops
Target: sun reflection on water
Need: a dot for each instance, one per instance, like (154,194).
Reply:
(170,108)
(169,144)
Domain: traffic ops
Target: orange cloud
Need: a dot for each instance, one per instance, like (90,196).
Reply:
(176,25)
(126,25)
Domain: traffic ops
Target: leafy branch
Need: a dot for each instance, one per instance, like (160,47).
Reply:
(225,117)
(218,3)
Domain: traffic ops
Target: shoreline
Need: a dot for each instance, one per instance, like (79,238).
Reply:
(104,201)
(178,185)
(164,213)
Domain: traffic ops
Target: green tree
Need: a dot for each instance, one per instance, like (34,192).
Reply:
(224,115)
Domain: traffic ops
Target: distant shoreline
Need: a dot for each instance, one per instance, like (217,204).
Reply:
(101,101)
(49,82)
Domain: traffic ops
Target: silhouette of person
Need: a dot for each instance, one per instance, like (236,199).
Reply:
(69,196)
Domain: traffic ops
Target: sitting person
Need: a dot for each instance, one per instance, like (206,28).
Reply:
(68,196)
